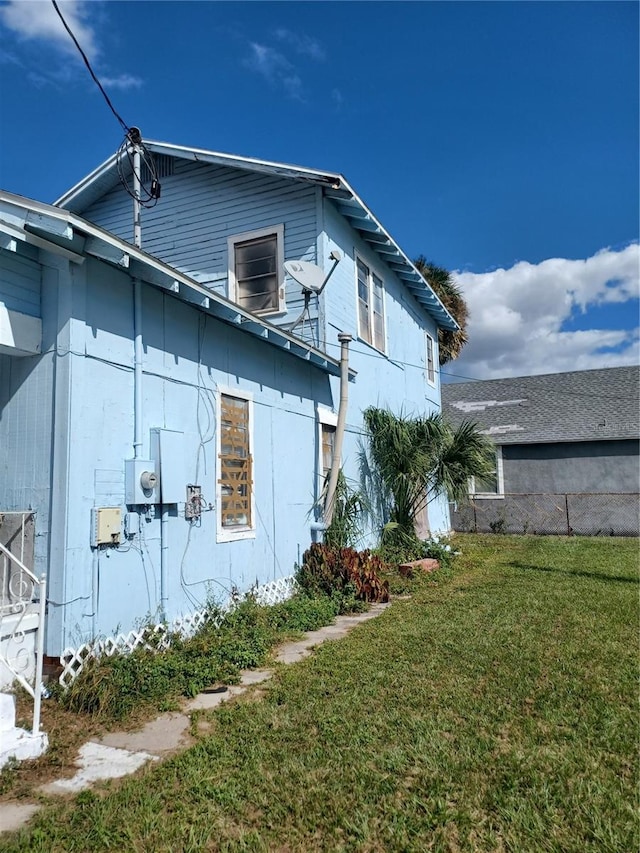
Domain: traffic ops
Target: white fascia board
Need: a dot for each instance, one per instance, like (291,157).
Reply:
(18,233)
(20,334)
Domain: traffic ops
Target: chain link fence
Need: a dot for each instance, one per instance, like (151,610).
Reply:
(587,514)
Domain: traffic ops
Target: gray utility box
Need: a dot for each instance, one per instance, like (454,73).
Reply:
(167,448)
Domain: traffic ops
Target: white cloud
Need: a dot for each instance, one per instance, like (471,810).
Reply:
(302,44)
(275,68)
(122,81)
(516,316)
(36,19)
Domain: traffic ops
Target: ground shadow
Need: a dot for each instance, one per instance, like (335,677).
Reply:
(577,573)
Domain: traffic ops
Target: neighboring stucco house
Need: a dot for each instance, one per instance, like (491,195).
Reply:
(567,451)
(164,421)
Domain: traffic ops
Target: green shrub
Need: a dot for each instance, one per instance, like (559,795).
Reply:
(113,687)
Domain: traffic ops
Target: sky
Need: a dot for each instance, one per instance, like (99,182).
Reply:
(500,140)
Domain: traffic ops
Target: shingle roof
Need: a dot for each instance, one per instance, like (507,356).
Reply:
(583,405)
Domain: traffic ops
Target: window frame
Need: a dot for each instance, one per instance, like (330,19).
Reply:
(372,272)
(326,418)
(429,338)
(499,493)
(228,534)
(276,231)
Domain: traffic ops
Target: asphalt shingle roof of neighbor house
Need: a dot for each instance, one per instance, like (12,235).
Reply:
(583,405)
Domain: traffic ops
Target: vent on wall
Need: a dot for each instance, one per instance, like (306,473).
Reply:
(164,168)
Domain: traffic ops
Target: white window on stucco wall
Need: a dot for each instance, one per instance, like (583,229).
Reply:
(491,486)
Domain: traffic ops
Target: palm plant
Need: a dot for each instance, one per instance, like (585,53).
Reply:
(443,284)
(411,460)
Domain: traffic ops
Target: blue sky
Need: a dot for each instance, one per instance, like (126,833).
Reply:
(498,139)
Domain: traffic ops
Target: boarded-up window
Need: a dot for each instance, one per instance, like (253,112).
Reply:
(235,463)
(370,307)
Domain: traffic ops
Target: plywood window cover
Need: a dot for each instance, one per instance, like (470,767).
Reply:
(236,468)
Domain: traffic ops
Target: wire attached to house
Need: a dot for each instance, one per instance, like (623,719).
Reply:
(90,69)
(147,197)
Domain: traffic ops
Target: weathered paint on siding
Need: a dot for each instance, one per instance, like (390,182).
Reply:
(26,416)
(186,358)
(20,281)
(202,206)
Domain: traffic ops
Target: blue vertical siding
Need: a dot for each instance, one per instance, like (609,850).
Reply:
(20,281)
(202,206)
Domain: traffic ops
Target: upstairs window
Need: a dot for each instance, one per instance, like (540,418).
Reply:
(370,306)
(431,364)
(235,481)
(255,270)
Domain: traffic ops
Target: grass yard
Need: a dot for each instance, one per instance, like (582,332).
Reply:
(496,709)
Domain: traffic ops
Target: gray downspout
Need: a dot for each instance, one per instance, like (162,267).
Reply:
(345,338)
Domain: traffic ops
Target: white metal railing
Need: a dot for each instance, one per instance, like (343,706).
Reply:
(18,600)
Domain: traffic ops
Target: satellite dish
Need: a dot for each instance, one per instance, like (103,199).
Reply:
(309,275)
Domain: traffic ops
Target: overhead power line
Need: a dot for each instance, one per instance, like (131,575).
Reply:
(146,197)
(125,127)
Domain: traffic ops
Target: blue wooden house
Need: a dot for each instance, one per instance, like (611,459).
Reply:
(167,413)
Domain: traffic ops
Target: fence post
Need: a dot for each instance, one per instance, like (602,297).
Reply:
(566,508)
(475,520)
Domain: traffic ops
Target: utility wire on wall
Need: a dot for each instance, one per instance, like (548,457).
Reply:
(146,197)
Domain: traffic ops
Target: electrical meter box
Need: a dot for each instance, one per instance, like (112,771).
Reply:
(106,525)
(141,482)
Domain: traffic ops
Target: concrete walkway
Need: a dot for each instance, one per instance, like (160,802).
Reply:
(118,754)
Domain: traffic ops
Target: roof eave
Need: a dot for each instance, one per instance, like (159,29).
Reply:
(60,227)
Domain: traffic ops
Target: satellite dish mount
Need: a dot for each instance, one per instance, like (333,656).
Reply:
(312,280)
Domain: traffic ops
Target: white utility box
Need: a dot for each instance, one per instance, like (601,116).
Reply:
(106,525)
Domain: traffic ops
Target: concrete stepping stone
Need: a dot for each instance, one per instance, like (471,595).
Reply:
(160,736)
(98,762)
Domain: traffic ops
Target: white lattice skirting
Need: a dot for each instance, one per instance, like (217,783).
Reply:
(159,636)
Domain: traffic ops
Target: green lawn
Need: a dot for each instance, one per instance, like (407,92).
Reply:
(495,710)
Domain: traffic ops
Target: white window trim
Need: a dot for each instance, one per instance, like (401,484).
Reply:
(278,230)
(499,495)
(372,270)
(325,417)
(224,534)
(429,337)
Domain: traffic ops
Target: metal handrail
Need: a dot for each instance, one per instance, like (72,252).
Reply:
(36,691)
